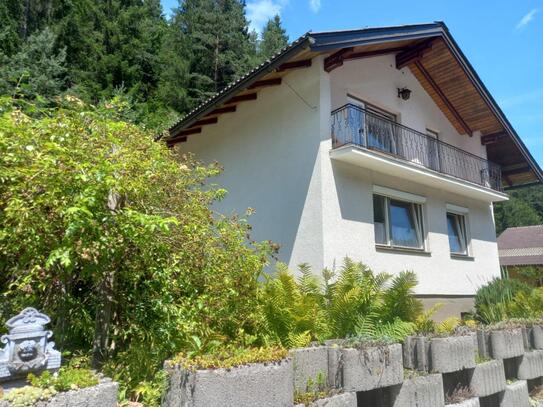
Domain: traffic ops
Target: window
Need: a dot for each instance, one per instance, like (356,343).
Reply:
(376,126)
(397,223)
(456,229)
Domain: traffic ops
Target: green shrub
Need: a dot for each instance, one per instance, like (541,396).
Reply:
(493,301)
(358,303)
(112,235)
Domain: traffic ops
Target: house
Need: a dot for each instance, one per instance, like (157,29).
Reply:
(381,144)
(521,253)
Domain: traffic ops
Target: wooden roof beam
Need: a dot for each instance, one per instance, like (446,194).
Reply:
(304,63)
(444,98)
(221,110)
(171,143)
(265,83)
(413,53)
(514,170)
(242,98)
(336,60)
(203,122)
(492,138)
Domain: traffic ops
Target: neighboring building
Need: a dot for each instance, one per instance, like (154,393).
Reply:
(521,253)
(380,144)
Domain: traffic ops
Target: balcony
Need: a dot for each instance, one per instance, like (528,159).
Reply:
(370,140)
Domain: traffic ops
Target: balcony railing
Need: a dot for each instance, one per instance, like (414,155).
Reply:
(356,126)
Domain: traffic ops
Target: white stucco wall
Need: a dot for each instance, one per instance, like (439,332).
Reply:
(275,153)
(269,149)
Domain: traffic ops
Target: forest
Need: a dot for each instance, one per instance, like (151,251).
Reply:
(162,66)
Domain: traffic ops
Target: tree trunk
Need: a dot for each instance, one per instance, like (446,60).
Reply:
(103,320)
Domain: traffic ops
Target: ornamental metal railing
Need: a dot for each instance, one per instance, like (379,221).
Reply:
(354,125)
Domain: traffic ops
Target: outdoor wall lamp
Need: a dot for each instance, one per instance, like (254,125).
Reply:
(404,93)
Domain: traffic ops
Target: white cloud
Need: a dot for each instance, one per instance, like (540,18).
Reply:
(260,11)
(524,21)
(315,5)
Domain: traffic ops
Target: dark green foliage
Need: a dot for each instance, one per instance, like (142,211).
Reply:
(37,71)
(100,50)
(525,208)
(274,37)
(220,47)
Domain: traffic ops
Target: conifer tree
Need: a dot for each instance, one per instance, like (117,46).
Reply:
(37,71)
(220,47)
(274,38)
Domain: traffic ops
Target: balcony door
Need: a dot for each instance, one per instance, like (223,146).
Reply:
(377,130)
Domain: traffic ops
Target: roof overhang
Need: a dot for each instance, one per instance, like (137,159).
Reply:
(433,56)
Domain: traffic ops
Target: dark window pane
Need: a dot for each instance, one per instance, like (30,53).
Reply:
(402,224)
(379,222)
(456,232)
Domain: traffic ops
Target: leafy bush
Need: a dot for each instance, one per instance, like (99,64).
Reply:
(493,301)
(358,303)
(112,235)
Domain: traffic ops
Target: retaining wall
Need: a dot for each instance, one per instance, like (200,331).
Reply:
(485,368)
(102,395)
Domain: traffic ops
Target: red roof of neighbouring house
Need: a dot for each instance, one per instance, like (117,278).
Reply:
(521,246)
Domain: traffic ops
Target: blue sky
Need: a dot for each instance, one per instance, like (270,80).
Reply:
(502,40)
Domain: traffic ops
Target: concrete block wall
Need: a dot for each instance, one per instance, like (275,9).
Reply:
(374,376)
(102,395)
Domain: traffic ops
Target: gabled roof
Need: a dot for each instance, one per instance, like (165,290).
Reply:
(431,54)
(521,246)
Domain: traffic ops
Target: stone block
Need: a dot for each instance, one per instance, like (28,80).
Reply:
(474,402)
(537,337)
(452,353)
(416,353)
(515,395)
(487,378)
(483,343)
(102,395)
(530,365)
(421,391)
(264,385)
(335,371)
(340,400)
(506,343)
(308,364)
(370,368)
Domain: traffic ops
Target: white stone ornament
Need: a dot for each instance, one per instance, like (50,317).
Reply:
(28,349)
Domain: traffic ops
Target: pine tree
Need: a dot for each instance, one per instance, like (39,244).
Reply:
(220,47)
(37,71)
(274,38)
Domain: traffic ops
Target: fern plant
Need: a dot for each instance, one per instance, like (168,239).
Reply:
(293,308)
(354,303)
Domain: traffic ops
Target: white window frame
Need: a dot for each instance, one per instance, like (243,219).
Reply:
(464,214)
(418,218)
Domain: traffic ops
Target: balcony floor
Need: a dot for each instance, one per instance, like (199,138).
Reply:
(387,164)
